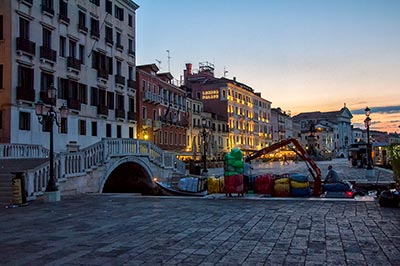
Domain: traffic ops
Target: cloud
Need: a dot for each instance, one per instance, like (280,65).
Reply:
(381,110)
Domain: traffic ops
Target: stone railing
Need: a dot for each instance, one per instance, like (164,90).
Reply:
(72,164)
(13,151)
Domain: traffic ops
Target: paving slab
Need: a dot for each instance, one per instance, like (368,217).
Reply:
(127,229)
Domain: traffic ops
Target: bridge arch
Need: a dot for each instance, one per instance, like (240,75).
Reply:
(130,175)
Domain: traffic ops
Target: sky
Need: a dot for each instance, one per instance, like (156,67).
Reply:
(302,55)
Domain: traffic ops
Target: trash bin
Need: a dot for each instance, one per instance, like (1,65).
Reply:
(18,186)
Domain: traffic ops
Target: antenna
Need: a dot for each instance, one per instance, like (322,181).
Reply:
(159,63)
(169,58)
(225,72)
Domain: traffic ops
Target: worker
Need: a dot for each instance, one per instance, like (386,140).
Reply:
(332,176)
(246,175)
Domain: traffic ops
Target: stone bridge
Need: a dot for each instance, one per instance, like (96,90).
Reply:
(111,165)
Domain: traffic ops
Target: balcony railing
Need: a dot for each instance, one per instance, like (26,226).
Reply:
(64,17)
(25,94)
(102,110)
(132,116)
(74,104)
(109,40)
(119,79)
(95,33)
(26,46)
(119,113)
(48,53)
(131,84)
(45,98)
(74,63)
(119,46)
(28,1)
(82,27)
(102,73)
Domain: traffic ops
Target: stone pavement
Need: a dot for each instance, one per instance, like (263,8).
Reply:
(126,229)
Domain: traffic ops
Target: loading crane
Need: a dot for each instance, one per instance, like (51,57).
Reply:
(301,152)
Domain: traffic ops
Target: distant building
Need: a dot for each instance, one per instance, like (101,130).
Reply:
(246,115)
(282,125)
(332,129)
(86,49)
(163,114)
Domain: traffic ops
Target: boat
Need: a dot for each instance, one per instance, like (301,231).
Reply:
(196,189)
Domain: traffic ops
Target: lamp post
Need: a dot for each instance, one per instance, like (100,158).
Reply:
(367,123)
(204,135)
(48,117)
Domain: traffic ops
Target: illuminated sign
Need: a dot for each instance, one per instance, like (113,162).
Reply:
(209,95)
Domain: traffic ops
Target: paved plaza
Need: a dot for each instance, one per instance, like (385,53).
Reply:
(127,229)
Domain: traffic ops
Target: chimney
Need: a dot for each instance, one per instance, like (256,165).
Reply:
(234,78)
(189,69)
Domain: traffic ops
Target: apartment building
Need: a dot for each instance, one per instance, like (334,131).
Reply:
(86,49)
(164,117)
(245,114)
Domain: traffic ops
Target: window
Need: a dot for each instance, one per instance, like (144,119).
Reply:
(24,121)
(130,20)
(131,132)
(94,27)
(46,38)
(82,127)
(94,128)
(108,131)
(119,13)
(64,125)
(46,80)
(24,29)
(82,93)
(96,2)
(131,104)
(110,100)
(108,6)
(72,48)
(130,73)
(1,119)
(1,28)
(119,65)
(63,88)
(144,112)
(82,54)
(120,102)
(94,96)
(47,5)
(64,11)
(109,35)
(25,78)
(82,21)
(118,131)
(130,46)
(63,44)
(118,40)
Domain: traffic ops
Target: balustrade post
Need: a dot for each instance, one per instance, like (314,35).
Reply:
(29,184)
(105,150)
(62,164)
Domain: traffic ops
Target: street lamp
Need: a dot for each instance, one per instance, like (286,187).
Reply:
(367,123)
(48,117)
(204,135)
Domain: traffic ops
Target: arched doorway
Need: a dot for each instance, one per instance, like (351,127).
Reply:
(129,177)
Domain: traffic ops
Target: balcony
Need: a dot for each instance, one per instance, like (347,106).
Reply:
(25,94)
(148,96)
(120,80)
(48,9)
(131,52)
(131,84)
(119,46)
(82,27)
(157,124)
(48,53)
(102,110)
(26,46)
(119,113)
(45,98)
(74,63)
(95,33)
(74,104)
(63,17)
(102,73)
(132,116)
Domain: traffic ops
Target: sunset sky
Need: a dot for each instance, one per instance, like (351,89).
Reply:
(302,55)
